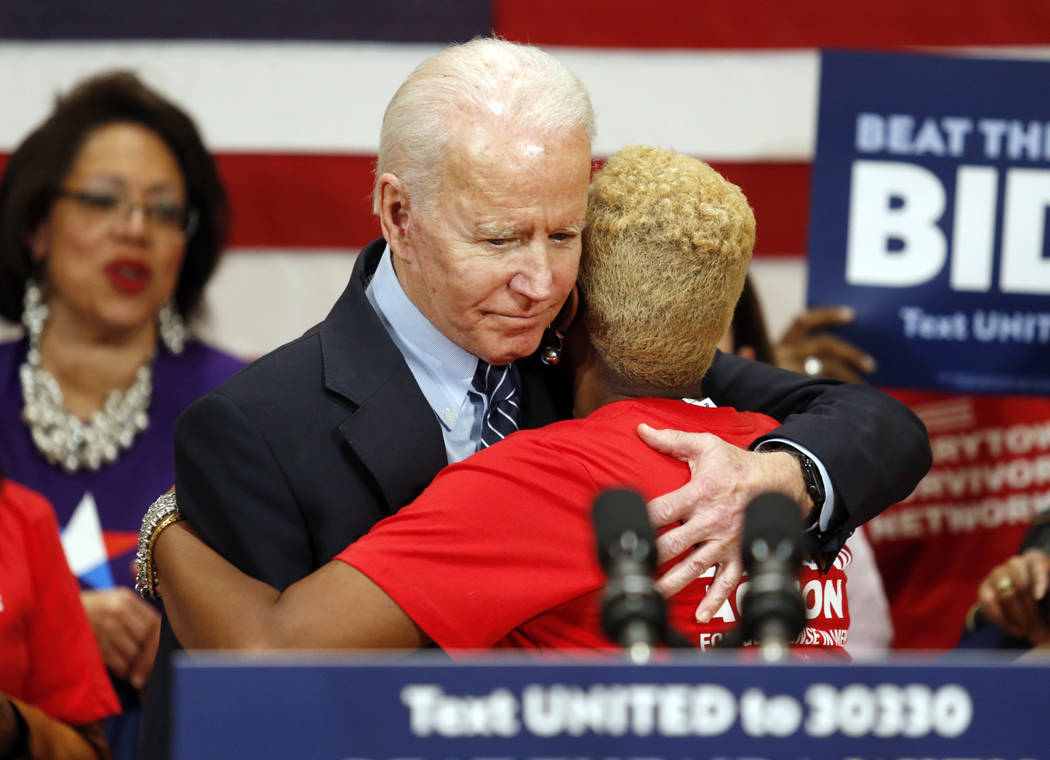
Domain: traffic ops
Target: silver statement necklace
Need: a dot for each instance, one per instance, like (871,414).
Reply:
(62,437)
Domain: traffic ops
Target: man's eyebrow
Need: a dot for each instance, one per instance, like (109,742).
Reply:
(495,231)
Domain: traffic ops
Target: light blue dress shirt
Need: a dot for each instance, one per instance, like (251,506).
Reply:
(443,371)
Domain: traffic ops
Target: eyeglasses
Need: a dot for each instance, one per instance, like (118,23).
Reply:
(107,207)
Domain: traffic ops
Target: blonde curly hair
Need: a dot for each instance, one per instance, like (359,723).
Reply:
(665,253)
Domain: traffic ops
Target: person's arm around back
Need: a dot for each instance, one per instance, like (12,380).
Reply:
(213,605)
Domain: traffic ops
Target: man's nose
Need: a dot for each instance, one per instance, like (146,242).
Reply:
(535,277)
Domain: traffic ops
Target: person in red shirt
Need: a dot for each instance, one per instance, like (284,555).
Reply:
(498,550)
(54,691)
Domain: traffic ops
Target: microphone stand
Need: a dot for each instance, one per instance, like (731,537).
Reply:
(772,612)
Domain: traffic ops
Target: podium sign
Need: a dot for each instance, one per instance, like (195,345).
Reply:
(931,186)
(433,709)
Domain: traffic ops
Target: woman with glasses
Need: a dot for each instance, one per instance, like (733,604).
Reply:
(112,218)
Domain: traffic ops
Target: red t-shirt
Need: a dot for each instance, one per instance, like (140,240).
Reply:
(48,654)
(990,476)
(499,550)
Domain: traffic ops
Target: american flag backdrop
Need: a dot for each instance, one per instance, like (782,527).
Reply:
(289,94)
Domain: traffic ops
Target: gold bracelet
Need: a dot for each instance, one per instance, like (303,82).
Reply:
(161,513)
(154,577)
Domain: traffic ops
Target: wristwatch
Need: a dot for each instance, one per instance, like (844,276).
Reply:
(823,545)
(814,484)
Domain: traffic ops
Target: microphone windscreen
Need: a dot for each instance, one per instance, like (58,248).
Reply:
(772,518)
(622,529)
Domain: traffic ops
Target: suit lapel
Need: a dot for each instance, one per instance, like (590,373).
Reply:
(398,439)
(392,431)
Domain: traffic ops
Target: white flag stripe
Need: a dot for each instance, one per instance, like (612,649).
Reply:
(942,416)
(947,424)
(330,97)
(934,413)
(943,420)
(246,96)
(948,408)
(719,105)
(258,300)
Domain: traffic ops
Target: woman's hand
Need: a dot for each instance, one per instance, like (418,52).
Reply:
(127,630)
(1008,596)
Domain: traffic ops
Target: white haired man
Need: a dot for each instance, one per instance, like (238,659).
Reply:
(481,194)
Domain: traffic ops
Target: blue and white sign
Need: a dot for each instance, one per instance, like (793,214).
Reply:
(931,187)
(523,709)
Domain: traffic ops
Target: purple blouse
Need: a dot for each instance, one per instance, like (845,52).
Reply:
(100,511)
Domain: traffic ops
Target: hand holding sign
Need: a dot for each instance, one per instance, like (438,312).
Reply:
(807,346)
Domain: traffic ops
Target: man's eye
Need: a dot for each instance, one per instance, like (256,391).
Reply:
(563,237)
(500,242)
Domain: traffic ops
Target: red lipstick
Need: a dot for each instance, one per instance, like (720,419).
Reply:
(128,275)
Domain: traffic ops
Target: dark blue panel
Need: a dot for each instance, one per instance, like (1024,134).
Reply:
(943,146)
(404,21)
(697,708)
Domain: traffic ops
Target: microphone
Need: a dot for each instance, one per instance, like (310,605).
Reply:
(772,612)
(633,612)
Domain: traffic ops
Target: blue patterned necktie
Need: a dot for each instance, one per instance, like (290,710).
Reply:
(500,386)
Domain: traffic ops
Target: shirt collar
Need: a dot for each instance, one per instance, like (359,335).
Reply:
(443,370)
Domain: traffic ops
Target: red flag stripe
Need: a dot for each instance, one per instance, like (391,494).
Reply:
(754,24)
(316,201)
(299,200)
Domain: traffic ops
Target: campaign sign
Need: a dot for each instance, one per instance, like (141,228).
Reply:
(931,185)
(431,709)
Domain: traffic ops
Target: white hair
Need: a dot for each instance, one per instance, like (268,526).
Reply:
(519,86)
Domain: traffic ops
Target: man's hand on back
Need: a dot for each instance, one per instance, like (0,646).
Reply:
(710,508)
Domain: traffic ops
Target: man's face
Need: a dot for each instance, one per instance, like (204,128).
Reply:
(492,261)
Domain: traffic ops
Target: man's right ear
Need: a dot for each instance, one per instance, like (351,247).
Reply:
(394,211)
